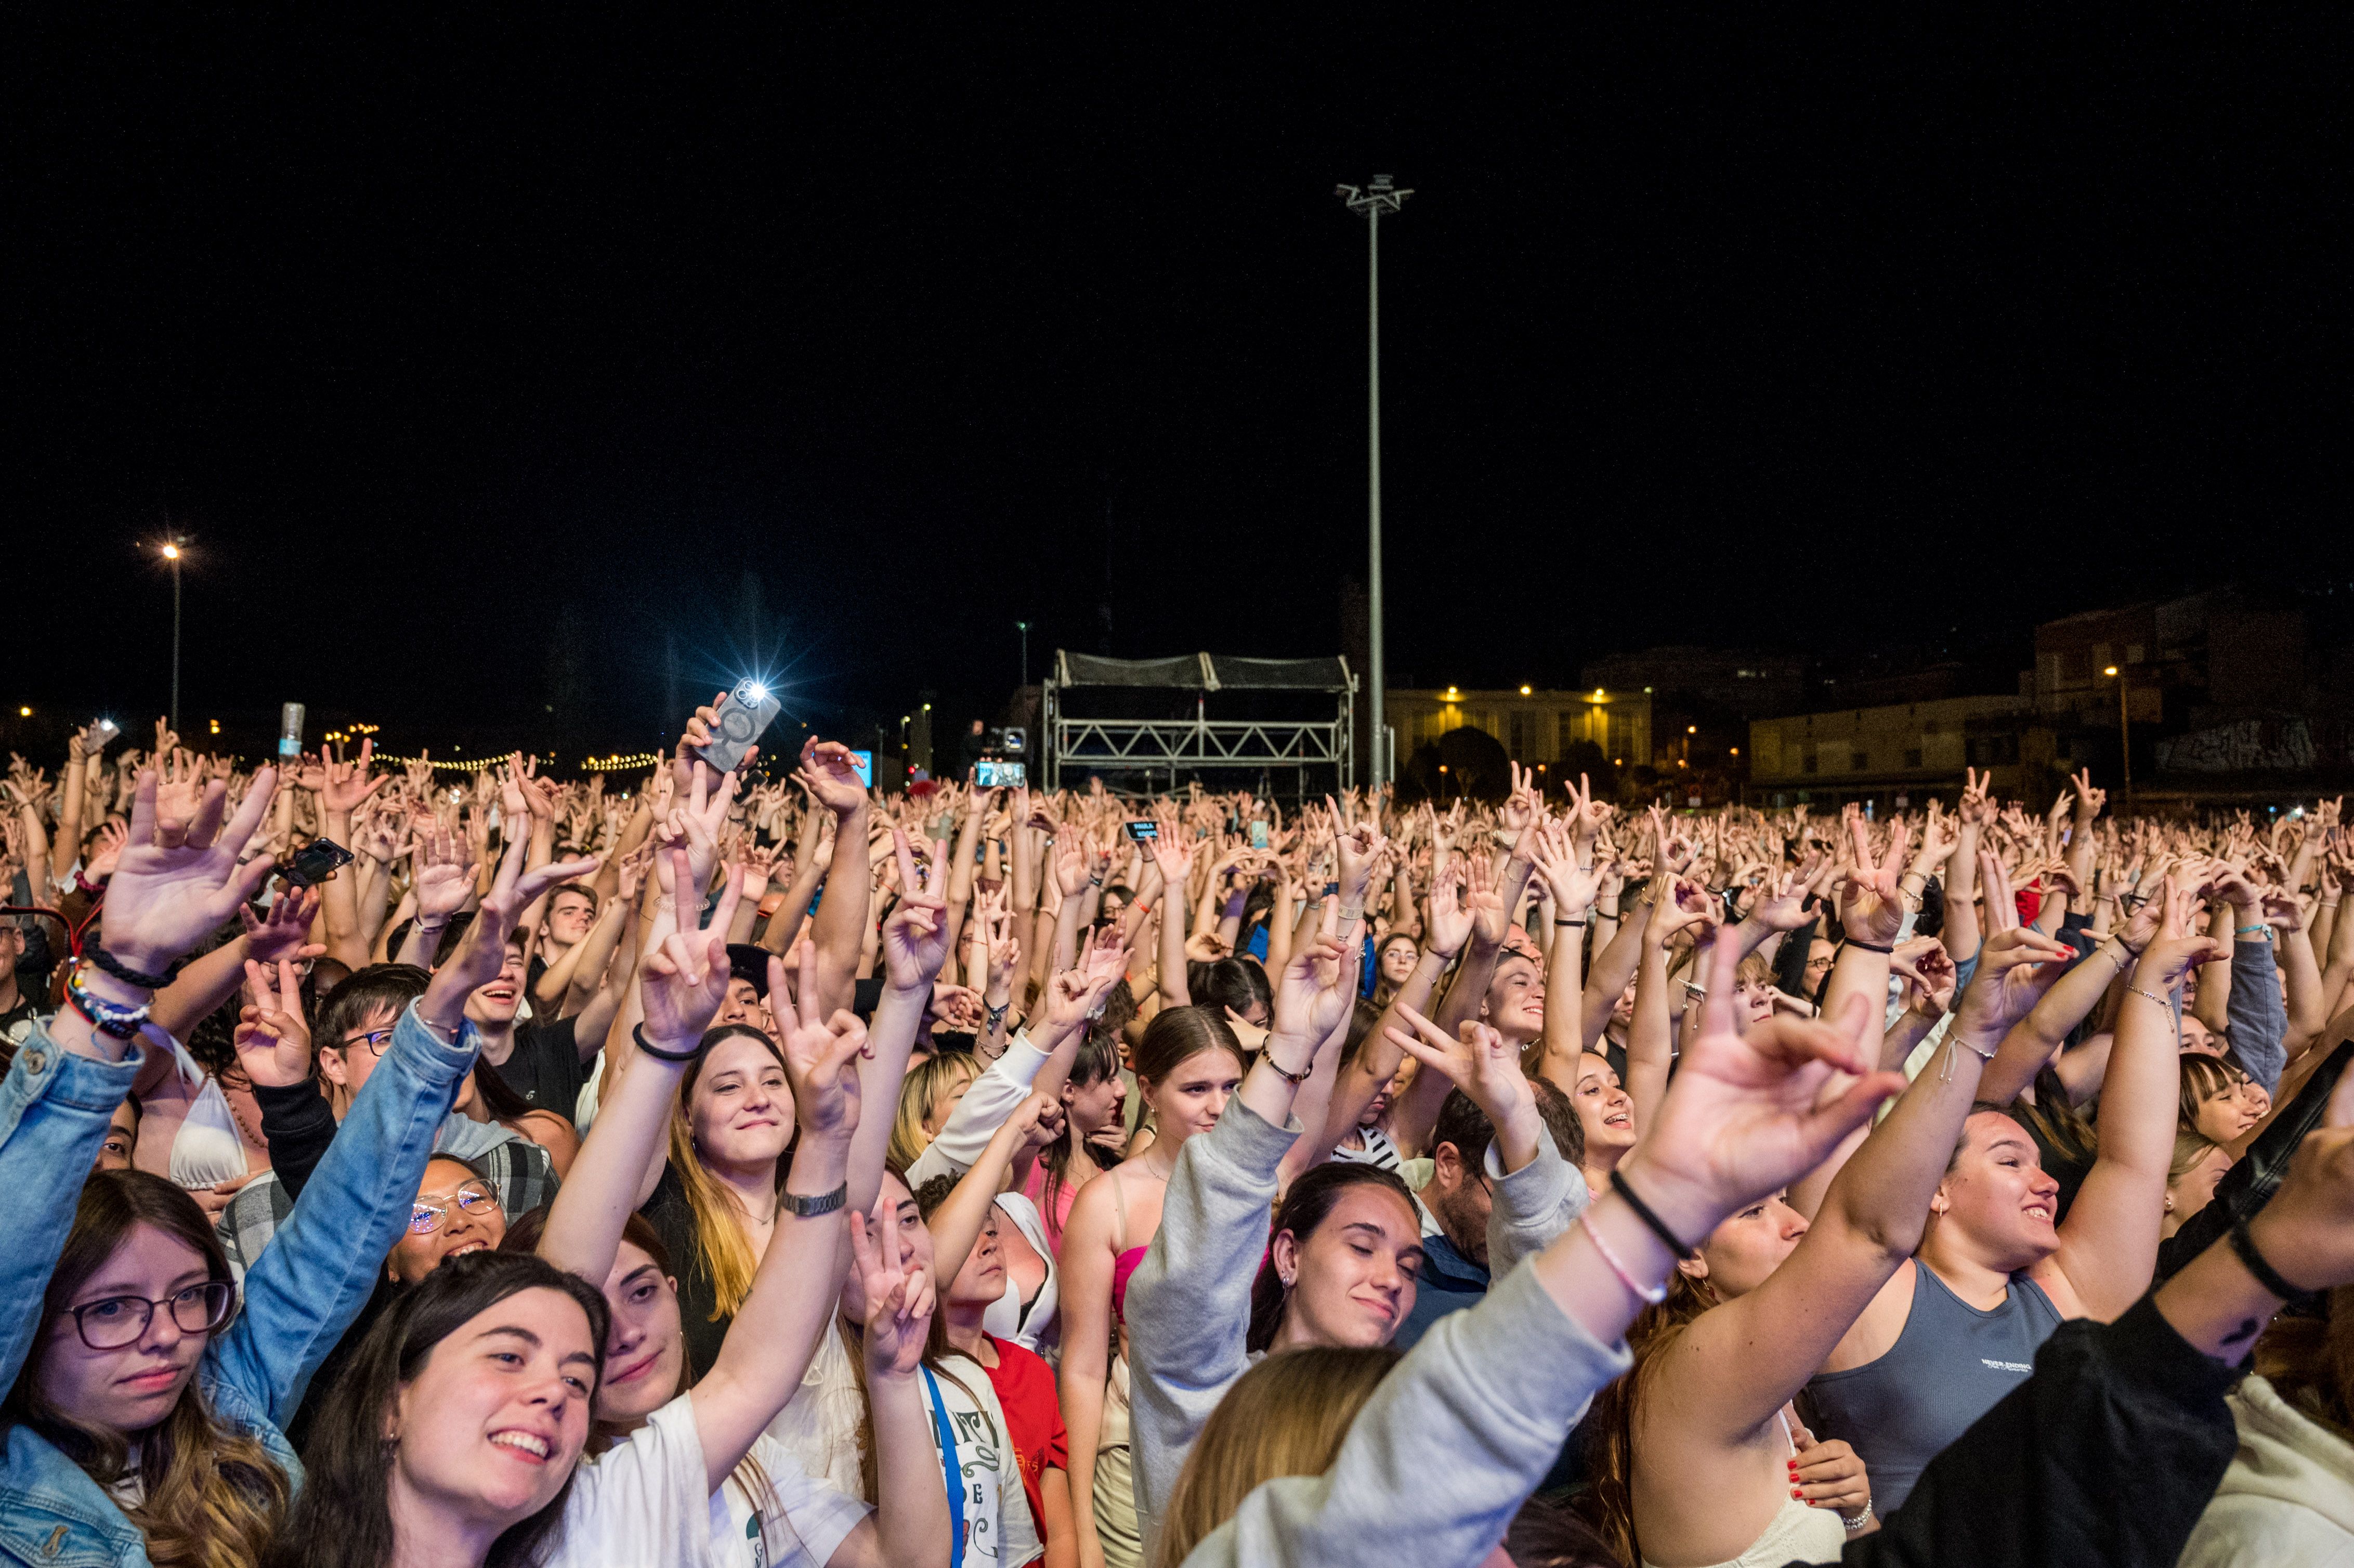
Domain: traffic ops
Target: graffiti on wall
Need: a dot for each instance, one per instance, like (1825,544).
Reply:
(2248,745)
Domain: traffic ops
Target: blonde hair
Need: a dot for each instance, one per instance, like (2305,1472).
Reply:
(1286,1416)
(927,1087)
(720,1244)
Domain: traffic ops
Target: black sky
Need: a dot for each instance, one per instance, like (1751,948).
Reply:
(435,332)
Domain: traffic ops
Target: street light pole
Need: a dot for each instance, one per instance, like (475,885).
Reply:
(171,554)
(1370,203)
(2125,735)
(1024,627)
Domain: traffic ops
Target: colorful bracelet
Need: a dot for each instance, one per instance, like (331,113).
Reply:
(109,1018)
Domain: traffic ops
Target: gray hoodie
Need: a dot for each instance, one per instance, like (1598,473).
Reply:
(1445,1451)
(1188,1304)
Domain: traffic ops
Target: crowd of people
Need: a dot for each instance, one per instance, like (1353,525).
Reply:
(424,1168)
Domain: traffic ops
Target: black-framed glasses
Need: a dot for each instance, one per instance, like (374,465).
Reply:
(121,1320)
(425,1218)
(375,1040)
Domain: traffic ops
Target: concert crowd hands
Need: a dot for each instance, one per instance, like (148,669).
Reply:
(2069,962)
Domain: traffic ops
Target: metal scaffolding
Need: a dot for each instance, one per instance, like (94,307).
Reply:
(1108,742)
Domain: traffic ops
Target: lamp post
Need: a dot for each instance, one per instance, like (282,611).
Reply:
(171,554)
(2124,732)
(1023,628)
(1370,203)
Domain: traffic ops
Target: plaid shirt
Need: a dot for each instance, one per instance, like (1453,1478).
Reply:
(520,1173)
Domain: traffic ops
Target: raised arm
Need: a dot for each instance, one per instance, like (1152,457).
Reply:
(684,982)
(831,778)
(1573,889)
(775,1332)
(2108,1244)
(1869,1223)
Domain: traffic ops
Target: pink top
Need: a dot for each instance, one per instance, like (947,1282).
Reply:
(1121,1267)
(1034,1188)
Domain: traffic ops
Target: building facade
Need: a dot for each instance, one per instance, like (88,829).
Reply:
(1534,727)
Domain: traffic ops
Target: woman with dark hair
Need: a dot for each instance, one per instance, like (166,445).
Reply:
(1094,1099)
(145,1424)
(454,1436)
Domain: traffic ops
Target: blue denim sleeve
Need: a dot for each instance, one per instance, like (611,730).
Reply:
(318,1271)
(54,1111)
(2257,1017)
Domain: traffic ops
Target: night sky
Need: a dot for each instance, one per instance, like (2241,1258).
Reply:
(499,367)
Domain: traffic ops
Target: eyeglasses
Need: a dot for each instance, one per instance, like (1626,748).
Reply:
(375,1040)
(121,1320)
(425,1218)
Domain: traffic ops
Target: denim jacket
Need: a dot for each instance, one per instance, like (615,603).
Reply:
(301,1294)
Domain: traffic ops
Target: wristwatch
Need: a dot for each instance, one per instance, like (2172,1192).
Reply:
(811,1208)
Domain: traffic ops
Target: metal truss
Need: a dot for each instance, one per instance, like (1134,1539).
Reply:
(1199,743)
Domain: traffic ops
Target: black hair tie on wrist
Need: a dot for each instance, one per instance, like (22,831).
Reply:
(658,1054)
(1658,1227)
(129,976)
(1867,947)
(2266,1274)
(1560,922)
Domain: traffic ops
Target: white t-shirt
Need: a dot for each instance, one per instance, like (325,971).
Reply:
(805,1524)
(644,1502)
(994,1532)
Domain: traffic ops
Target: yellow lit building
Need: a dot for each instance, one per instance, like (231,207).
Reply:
(1533,725)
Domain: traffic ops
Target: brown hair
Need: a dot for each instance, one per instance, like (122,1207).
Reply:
(2310,1362)
(2204,1079)
(214,1496)
(726,1258)
(1610,1428)
(1176,1035)
(1286,1416)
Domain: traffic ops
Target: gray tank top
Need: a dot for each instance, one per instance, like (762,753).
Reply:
(1951,1365)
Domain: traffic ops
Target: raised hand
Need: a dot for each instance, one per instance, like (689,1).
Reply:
(915,936)
(175,883)
(285,932)
(1482,1063)
(341,786)
(1744,1115)
(818,1053)
(831,776)
(1450,920)
(1930,972)
(483,952)
(2017,965)
(685,977)
(1316,988)
(272,1037)
(445,870)
(2180,945)
(1557,862)
(1871,906)
(899,1294)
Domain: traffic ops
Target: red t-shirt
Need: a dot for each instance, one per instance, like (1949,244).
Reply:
(1034,1419)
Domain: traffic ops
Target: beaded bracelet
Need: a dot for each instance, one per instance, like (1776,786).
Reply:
(108,1017)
